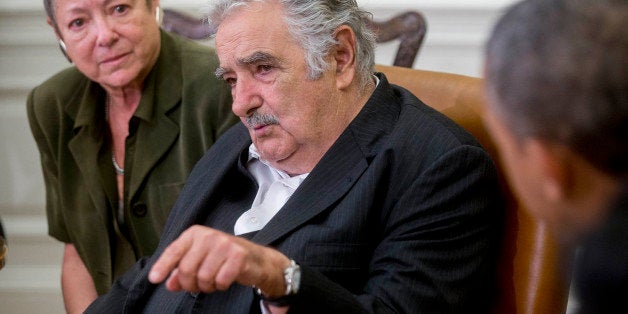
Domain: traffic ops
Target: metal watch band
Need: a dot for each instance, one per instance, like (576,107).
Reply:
(292,278)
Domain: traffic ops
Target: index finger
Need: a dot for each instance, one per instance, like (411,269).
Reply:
(169,259)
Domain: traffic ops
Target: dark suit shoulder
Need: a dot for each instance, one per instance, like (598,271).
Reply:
(395,119)
(419,118)
(222,154)
(229,145)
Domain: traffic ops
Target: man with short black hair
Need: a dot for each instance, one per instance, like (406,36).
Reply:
(557,85)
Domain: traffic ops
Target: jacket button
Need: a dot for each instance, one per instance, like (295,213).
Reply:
(139,210)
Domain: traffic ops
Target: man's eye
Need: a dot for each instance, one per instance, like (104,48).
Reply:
(264,68)
(230,81)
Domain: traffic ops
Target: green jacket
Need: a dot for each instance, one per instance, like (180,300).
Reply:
(183,110)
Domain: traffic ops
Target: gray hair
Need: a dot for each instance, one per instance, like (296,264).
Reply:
(312,23)
(50,12)
(558,70)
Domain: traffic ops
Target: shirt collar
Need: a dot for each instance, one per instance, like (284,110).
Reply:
(254,156)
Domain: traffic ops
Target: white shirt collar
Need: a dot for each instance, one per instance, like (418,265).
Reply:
(254,155)
(274,189)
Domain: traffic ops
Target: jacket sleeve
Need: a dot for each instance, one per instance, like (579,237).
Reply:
(115,301)
(42,119)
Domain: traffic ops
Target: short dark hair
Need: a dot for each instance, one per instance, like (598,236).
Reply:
(558,70)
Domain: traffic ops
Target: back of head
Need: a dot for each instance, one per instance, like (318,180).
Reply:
(558,70)
(312,24)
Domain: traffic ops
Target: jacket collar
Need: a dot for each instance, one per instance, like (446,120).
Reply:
(162,92)
(85,107)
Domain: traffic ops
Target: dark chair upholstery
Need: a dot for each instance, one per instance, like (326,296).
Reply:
(533,271)
(409,28)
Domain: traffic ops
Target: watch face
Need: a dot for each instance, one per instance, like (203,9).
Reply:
(292,275)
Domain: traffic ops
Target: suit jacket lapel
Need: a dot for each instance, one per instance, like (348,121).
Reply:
(157,132)
(328,182)
(87,142)
(202,185)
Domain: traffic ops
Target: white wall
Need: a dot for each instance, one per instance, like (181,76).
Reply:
(28,55)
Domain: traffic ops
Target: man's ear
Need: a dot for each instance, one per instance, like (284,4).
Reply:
(556,177)
(343,56)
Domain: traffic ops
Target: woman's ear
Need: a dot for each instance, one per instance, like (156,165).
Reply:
(62,46)
(343,56)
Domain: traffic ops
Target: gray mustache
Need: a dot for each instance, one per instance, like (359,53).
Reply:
(257,119)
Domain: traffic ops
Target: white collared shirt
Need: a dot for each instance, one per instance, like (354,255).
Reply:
(275,188)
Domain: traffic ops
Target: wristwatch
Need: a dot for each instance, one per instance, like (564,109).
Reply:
(292,278)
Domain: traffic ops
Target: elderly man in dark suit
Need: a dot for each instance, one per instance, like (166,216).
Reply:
(339,193)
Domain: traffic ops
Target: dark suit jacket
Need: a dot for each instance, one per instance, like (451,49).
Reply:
(601,269)
(400,215)
(183,109)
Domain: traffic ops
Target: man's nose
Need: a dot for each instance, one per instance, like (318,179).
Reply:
(246,98)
